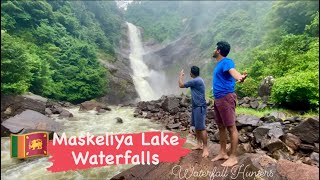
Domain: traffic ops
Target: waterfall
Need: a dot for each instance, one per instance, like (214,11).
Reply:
(139,68)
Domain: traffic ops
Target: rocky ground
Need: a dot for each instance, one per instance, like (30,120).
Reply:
(271,147)
(276,135)
(289,146)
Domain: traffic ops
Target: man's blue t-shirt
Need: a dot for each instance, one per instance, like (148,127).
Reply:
(222,82)
(197,91)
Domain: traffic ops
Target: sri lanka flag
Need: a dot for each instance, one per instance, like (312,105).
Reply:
(28,145)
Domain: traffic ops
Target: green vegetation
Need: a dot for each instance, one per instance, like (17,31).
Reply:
(51,48)
(264,112)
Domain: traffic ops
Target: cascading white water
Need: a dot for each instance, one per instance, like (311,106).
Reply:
(139,68)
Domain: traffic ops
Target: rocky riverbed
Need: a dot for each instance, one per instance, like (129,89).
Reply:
(282,141)
(277,134)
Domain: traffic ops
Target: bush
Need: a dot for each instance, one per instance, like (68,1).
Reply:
(297,91)
(248,88)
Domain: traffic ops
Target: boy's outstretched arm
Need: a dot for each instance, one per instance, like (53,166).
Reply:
(237,76)
(181,76)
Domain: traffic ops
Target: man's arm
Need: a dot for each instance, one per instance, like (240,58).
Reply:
(181,76)
(237,76)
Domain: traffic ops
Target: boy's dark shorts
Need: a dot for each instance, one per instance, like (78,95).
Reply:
(198,117)
(224,109)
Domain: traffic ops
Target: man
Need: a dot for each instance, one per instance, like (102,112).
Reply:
(199,107)
(224,77)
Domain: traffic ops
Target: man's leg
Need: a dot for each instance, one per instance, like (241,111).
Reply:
(199,144)
(229,121)
(204,137)
(199,141)
(234,144)
(223,144)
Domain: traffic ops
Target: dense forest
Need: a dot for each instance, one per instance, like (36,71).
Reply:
(279,39)
(51,48)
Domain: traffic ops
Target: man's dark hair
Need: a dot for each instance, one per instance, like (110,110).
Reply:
(224,48)
(195,71)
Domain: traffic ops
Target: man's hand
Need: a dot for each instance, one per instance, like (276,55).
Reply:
(243,77)
(181,73)
(181,83)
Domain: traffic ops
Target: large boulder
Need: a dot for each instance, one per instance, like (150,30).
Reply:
(13,105)
(272,130)
(274,144)
(291,140)
(265,86)
(93,105)
(278,115)
(30,119)
(294,170)
(307,130)
(65,114)
(171,103)
(245,120)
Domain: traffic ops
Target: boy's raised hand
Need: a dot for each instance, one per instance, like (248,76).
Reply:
(181,73)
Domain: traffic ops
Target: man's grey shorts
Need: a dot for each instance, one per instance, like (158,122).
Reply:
(198,117)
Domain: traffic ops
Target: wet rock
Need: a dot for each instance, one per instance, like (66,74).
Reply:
(244,148)
(254,104)
(55,109)
(102,111)
(185,101)
(48,111)
(184,116)
(119,120)
(93,105)
(272,130)
(291,140)
(245,120)
(170,104)
(30,119)
(306,147)
(274,144)
(65,114)
(307,130)
(280,154)
(13,105)
(290,170)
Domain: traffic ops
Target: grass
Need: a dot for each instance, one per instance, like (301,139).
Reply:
(261,113)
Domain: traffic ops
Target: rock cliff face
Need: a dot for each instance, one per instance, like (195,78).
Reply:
(121,88)
(179,54)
